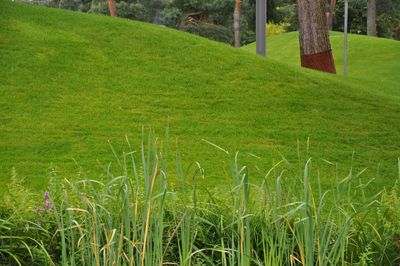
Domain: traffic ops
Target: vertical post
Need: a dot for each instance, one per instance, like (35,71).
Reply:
(261,20)
(346,19)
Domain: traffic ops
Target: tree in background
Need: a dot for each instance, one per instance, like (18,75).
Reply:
(388,18)
(371,18)
(236,23)
(315,48)
(387,21)
(214,18)
(112,8)
(153,8)
(331,5)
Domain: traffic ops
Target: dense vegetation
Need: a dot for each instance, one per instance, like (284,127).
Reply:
(134,217)
(214,18)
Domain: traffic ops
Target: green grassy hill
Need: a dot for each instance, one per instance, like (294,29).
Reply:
(374,62)
(72,82)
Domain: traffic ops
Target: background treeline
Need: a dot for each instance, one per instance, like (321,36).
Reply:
(214,18)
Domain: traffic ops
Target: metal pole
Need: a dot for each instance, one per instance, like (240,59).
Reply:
(346,19)
(261,20)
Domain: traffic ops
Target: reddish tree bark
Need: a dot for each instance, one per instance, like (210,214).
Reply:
(321,61)
(315,48)
(112,8)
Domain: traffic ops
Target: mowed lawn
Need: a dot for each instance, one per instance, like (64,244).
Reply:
(72,83)
(373,63)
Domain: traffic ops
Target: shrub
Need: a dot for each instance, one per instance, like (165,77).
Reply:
(99,7)
(171,17)
(287,13)
(388,221)
(135,11)
(211,31)
(24,231)
(397,33)
(276,29)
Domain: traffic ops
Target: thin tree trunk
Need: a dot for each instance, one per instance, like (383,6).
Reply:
(329,13)
(371,18)
(112,8)
(315,48)
(236,23)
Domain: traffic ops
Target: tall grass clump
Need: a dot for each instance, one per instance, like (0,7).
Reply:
(24,236)
(140,214)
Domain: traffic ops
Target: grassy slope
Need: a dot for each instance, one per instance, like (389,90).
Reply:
(373,63)
(70,82)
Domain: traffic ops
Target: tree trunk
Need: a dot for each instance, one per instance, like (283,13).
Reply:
(329,13)
(371,18)
(236,23)
(112,8)
(315,48)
